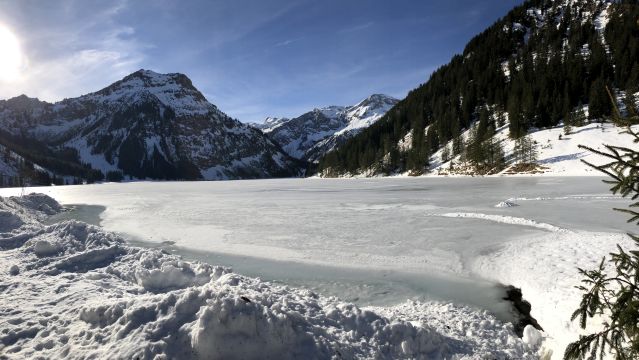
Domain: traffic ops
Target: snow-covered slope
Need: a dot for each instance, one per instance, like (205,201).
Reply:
(558,154)
(72,290)
(149,125)
(319,131)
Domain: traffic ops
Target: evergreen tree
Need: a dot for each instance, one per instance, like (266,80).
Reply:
(525,150)
(599,105)
(579,117)
(614,295)
(458,145)
(567,125)
(446,154)
(495,157)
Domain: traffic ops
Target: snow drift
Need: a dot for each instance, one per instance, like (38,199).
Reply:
(72,290)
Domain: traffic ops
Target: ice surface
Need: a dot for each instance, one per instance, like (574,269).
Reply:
(382,241)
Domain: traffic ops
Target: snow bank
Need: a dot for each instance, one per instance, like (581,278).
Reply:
(545,268)
(72,290)
(466,327)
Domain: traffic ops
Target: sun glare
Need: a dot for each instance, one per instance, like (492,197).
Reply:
(10,55)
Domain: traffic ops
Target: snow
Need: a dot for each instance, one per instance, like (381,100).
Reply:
(505,204)
(463,323)
(601,21)
(96,297)
(505,68)
(504,220)
(532,336)
(269,124)
(332,111)
(367,112)
(546,269)
(559,157)
(97,161)
(406,143)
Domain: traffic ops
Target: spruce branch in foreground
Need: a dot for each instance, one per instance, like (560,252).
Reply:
(613,295)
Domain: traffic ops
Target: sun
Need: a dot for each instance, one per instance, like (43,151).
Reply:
(10,55)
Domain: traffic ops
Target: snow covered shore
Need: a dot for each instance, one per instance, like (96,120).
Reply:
(72,290)
(545,268)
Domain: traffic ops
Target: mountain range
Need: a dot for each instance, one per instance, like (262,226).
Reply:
(147,125)
(314,133)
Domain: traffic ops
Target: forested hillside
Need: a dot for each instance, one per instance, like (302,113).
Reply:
(543,63)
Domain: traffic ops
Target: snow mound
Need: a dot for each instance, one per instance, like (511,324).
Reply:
(44,248)
(477,334)
(532,336)
(9,221)
(506,204)
(72,290)
(39,203)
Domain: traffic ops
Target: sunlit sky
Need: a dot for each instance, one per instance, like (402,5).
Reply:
(252,58)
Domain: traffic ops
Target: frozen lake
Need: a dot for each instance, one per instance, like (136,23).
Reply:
(370,241)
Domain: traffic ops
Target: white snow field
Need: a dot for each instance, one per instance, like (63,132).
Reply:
(419,256)
(558,156)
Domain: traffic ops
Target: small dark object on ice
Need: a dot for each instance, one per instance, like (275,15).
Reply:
(245,299)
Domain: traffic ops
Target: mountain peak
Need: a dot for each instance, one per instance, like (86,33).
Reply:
(270,123)
(146,125)
(174,90)
(23,102)
(332,111)
(378,100)
(379,97)
(152,78)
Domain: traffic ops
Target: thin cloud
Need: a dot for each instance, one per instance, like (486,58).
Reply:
(286,42)
(87,55)
(359,27)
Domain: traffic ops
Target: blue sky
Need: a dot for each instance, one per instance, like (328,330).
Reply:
(252,58)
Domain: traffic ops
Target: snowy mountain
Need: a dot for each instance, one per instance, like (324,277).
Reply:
(148,125)
(269,124)
(311,135)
